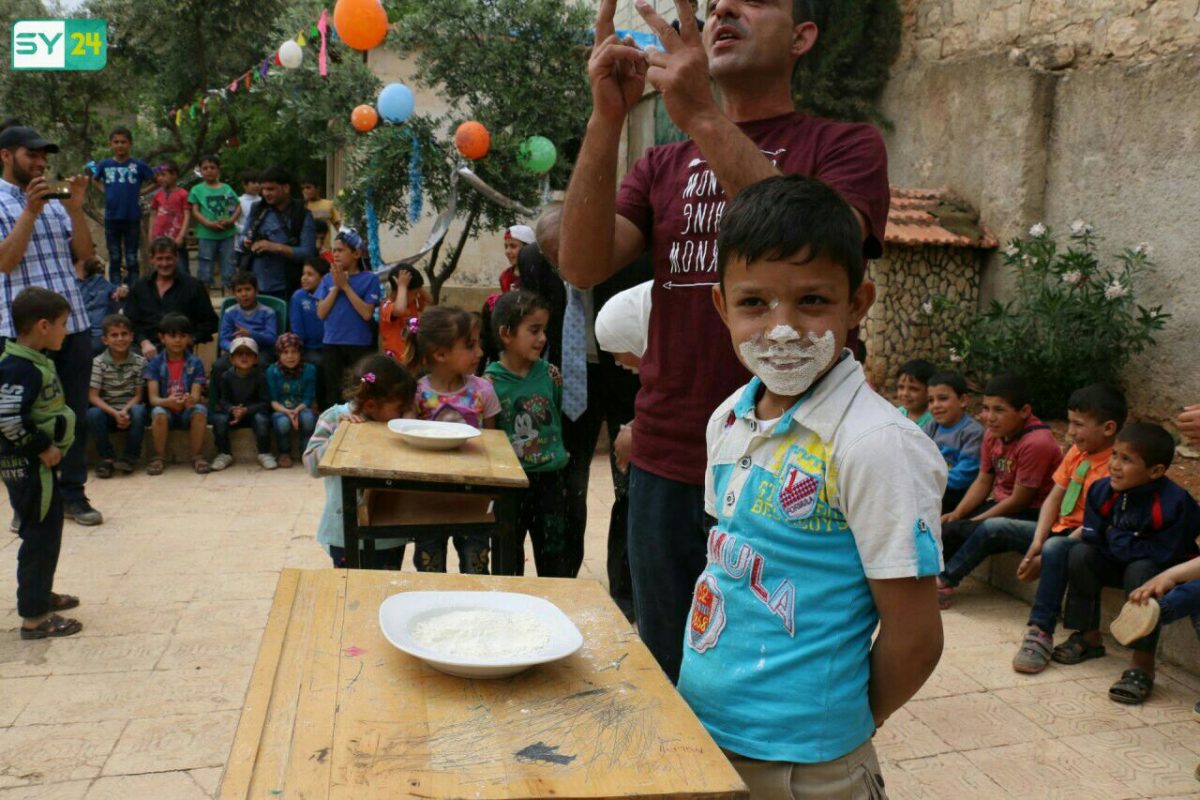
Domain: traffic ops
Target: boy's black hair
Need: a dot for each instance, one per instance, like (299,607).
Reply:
(35,304)
(786,215)
(309,180)
(213,157)
(320,227)
(512,308)
(162,243)
(1101,402)
(174,322)
(918,369)
(116,321)
(1011,388)
(169,164)
(414,282)
(950,378)
(121,130)
(243,278)
(1151,442)
(276,173)
(319,264)
(251,176)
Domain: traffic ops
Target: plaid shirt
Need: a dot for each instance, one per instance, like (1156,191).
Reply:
(47,263)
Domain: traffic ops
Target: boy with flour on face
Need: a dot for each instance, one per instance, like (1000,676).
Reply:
(827,505)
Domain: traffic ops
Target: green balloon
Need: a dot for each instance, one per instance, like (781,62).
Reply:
(537,154)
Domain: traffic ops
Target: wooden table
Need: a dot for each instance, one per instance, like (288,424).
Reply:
(334,711)
(480,485)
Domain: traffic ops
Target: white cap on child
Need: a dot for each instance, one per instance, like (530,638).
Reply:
(623,323)
(522,233)
(243,341)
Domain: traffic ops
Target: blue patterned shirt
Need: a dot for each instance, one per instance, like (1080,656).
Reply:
(47,262)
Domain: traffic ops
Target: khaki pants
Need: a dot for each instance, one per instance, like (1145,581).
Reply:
(854,776)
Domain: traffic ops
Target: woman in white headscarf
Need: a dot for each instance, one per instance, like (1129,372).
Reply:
(515,238)
(621,329)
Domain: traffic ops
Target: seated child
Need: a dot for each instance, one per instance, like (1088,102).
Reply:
(1137,523)
(36,428)
(379,390)
(956,433)
(530,393)
(293,387)
(305,323)
(1016,466)
(912,390)
(819,491)
(117,395)
(175,384)
(100,298)
(1095,414)
(406,300)
(248,318)
(445,341)
(242,400)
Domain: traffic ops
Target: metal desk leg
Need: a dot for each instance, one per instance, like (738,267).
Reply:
(503,553)
(350,521)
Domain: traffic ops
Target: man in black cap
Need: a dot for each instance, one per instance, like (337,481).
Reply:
(41,238)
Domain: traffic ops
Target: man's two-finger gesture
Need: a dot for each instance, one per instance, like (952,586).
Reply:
(616,68)
(681,73)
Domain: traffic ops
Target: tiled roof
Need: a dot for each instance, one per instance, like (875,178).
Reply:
(936,217)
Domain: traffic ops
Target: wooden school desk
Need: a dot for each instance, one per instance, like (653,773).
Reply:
(334,711)
(472,490)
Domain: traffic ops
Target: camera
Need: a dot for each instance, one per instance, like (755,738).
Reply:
(59,189)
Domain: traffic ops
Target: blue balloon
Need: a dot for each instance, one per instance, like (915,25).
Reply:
(395,102)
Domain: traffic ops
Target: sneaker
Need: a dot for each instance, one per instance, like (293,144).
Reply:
(267,461)
(1034,653)
(222,461)
(82,512)
(123,466)
(104,469)
(1135,621)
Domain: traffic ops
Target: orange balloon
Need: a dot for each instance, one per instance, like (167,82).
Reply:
(361,24)
(364,118)
(472,140)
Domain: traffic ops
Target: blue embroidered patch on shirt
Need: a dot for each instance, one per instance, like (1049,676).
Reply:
(927,550)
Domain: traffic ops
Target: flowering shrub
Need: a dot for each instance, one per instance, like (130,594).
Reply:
(1072,322)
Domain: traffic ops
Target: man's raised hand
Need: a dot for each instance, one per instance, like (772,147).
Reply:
(616,69)
(680,73)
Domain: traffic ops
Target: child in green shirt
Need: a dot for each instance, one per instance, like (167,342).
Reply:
(216,209)
(36,428)
(530,392)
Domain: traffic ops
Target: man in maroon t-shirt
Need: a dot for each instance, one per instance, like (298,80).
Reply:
(671,204)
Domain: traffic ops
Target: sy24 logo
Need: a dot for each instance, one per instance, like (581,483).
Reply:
(53,44)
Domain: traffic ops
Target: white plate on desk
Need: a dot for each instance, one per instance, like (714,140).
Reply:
(501,621)
(430,435)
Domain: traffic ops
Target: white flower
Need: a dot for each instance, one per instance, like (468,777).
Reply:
(1080,228)
(1115,290)
(927,307)
(1011,251)
(1073,277)
(954,356)
(1037,229)
(1143,248)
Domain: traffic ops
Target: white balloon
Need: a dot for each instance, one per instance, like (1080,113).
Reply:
(290,54)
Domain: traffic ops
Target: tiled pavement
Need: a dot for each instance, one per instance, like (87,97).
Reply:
(177,583)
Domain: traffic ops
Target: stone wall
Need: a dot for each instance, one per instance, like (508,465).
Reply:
(1055,32)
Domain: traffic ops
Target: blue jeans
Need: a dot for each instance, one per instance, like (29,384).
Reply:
(219,251)
(181,262)
(261,423)
(1091,570)
(122,238)
(283,430)
(179,420)
(1180,602)
(1052,582)
(668,533)
(100,424)
(992,536)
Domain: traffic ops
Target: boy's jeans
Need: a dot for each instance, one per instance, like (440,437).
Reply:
(992,536)
(1091,569)
(219,251)
(283,430)
(261,423)
(100,424)
(122,238)
(1052,582)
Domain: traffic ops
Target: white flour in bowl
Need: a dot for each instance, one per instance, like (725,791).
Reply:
(481,633)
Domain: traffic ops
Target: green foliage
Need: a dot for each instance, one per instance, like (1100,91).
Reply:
(1072,322)
(518,67)
(845,73)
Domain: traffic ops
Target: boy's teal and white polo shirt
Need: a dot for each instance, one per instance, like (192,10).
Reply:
(840,489)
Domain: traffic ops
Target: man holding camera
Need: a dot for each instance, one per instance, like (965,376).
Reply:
(279,236)
(43,232)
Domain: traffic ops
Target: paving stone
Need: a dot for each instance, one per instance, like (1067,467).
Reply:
(905,737)
(209,778)
(949,775)
(1145,759)
(16,693)
(155,786)
(37,754)
(1048,770)
(1070,708)
(78,654)
(968,722)
(209,650)
(176,742)
(71,790)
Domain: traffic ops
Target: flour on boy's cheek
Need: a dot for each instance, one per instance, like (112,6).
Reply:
(787,362)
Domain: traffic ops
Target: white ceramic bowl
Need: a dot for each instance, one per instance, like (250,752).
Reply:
(428,435)
(401,612)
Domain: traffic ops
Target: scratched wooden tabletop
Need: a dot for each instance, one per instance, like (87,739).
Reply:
(370,450)
(334,711)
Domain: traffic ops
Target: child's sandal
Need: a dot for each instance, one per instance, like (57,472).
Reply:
(1133,688)
(201,465)
(155,466)
(1076,650)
